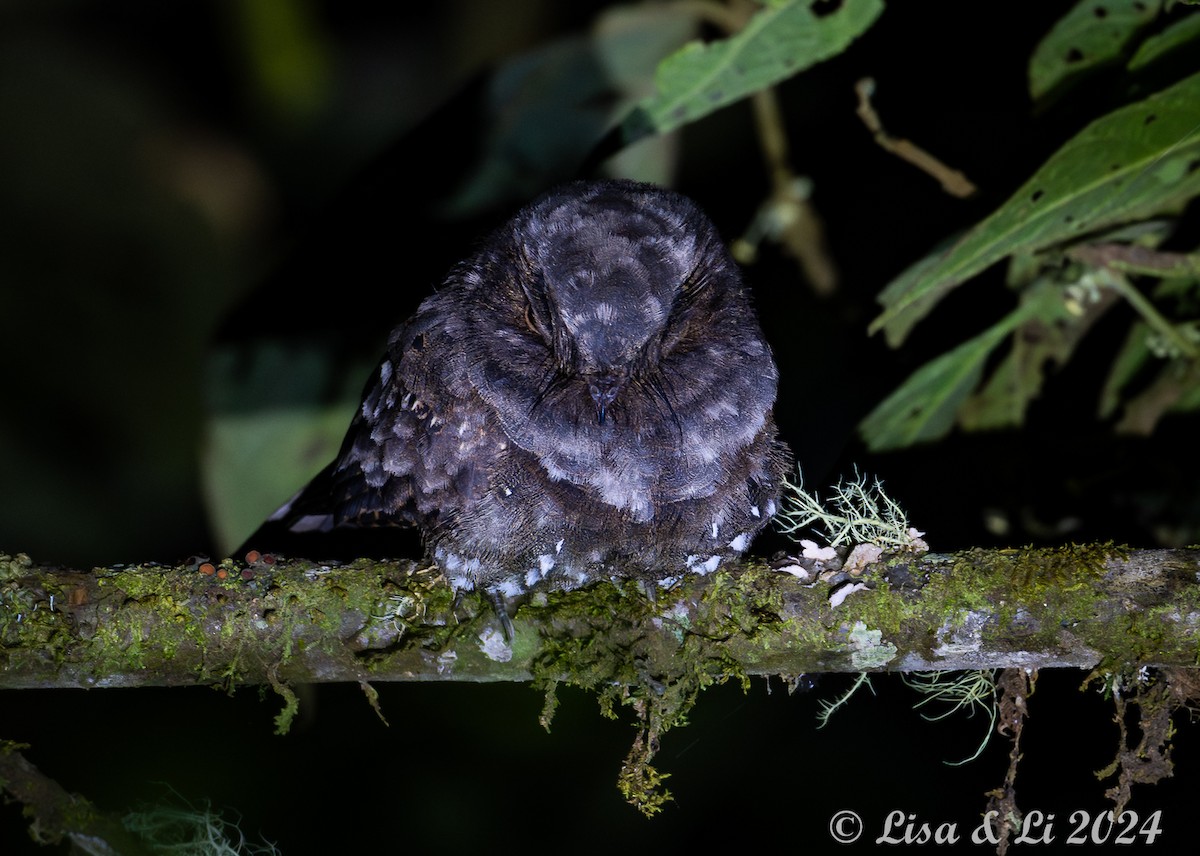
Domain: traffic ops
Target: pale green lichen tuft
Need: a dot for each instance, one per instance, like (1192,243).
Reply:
(972,690)
(829,708)
(858,513)
(191,832)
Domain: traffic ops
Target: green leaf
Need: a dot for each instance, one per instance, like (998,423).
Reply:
(549,107)
(785,37)
(1002,400)
(1093,33)
(1050,334)
(1189,398)
(1134,354)
(277,416)
(1176,388)
(925,406)
(1137,161)
(1177,36)
(288,55)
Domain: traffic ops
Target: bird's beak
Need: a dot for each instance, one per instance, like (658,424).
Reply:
(604,390)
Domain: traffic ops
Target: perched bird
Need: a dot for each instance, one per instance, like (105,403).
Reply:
(588,396)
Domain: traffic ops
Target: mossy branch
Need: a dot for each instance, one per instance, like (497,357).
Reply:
(298,621)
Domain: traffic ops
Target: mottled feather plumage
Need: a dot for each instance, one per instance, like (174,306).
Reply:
(589,395)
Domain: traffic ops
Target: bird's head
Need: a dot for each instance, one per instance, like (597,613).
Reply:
(612,318)
(602,277)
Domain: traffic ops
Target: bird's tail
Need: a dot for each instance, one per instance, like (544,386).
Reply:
(312,525)
(311,508)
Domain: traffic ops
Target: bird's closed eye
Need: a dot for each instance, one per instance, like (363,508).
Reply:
(529,322)
(678,326)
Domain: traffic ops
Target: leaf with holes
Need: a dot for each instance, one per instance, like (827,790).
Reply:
(1092,34)
(785,37)
(1138,161)
(1180,36)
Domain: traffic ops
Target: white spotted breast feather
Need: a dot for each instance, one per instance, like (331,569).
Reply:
(588,396)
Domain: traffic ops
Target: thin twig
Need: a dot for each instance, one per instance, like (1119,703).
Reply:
(1135,259)
(786,216)
(1120,283)
(953,181)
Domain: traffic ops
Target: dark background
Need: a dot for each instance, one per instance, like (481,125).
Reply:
(166,191)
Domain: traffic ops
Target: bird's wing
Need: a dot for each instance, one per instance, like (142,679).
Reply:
(418,450)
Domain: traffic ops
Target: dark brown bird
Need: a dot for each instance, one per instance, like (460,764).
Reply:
(588,396)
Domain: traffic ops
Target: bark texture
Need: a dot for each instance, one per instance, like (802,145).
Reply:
(285,622)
